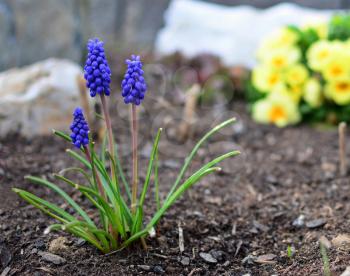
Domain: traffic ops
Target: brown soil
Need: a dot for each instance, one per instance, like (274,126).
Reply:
(244,212)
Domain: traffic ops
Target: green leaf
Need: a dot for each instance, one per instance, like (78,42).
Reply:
(139,213)
(195,149)
(62,193)
(62,135)
(79,158)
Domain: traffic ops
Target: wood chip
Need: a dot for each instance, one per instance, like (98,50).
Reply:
(342,242)
(181,239)
(266,259)
(323,240)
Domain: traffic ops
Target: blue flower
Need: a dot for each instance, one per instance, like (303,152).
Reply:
(79,128)
(133,85)
(97,71)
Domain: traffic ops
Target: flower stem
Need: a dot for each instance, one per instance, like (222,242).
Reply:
(134,130)
(98,180)
(109,132)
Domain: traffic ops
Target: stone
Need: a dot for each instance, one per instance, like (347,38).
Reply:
(185,261)
(158,269)
(38,98)
(52,258)
(250,259)
(217,254)
(5,254)
(316,223)
(39,244)
(299,221)
(208,258)
(144,267)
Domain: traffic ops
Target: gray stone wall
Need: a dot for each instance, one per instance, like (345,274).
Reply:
(31,30)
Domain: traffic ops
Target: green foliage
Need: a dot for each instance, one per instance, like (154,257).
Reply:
(117,226)
(339,27)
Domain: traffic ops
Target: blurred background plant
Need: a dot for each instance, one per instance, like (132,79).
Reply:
(303,74)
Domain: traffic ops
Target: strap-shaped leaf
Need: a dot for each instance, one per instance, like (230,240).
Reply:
(194,151)
(65,196)
(45,206)
(79,158)
(139,215)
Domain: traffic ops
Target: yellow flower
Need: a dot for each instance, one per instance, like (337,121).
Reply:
(337,68)
(296,75)
(265,79)
(313,93)
(293,92)
(284,37)
(278,109)
(281,58)
(339,92)
(319,54)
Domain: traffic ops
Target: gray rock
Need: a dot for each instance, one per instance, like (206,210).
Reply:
(35,99)
(299,221)
(158,270)
(52,258)
(144,267)
(250,259)
(217,254)
(208,258)
(185,260)
(40,244)
(315,223)
(5,254)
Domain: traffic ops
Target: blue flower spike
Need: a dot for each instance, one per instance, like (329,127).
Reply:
(133,85)
(80,129)
(96,70)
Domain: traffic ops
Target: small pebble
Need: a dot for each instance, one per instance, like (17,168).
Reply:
(5,255)
(315,223)
(39,244)
(208,258)
(299,222)
(158,269)
(144,267)
(52,258)
(217,254)
(185,261)
(250,259)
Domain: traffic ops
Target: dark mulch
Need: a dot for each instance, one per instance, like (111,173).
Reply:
(244,212)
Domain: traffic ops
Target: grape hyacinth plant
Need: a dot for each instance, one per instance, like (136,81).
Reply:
(120,221)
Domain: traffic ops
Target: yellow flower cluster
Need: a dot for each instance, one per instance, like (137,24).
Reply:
(286,76)
(332,60)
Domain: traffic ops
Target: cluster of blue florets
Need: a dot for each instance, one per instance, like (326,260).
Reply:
(133,85)
(79,128)
(97,71)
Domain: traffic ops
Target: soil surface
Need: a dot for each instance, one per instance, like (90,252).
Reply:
(243,220)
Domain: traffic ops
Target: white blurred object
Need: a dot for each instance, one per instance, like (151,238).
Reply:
(38,98)
(232,33)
